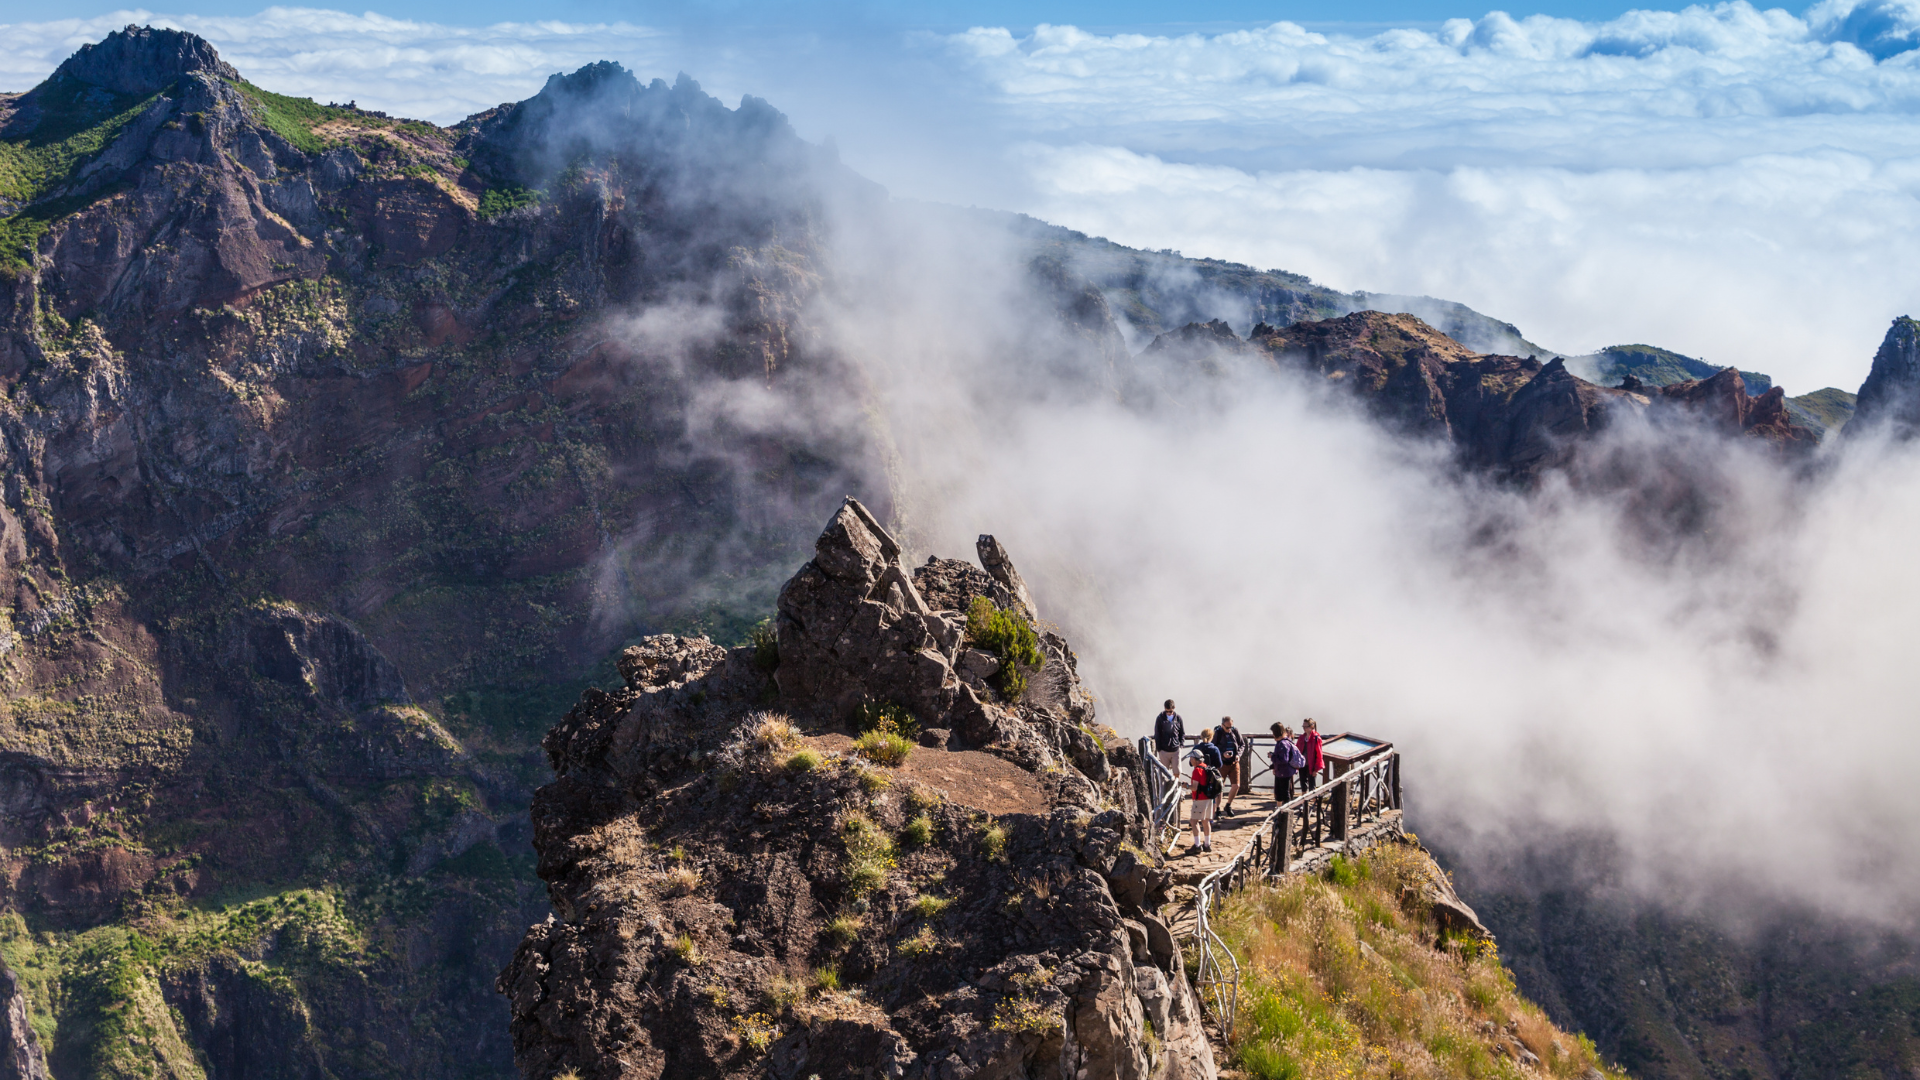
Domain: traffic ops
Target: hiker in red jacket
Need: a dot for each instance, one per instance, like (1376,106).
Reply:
(1205,794)
(1309,744)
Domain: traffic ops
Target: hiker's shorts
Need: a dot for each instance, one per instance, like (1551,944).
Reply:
(1203,809)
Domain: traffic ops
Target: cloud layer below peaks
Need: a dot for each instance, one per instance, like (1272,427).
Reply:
(1535,89)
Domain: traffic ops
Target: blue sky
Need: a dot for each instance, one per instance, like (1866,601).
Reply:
(1739,183)
(947,15)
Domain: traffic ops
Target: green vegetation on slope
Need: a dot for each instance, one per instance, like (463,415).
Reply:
(1008,635)
(297,119)
(1341,977)
(74,123)
(293,119)
(1823,410)
(1660,367)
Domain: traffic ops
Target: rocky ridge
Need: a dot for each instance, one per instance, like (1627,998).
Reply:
(730,903)
(1514,416)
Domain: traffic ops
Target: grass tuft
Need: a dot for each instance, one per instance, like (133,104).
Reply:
(917,832)
(927,906)
(883,748)
(993,843)
(869,855)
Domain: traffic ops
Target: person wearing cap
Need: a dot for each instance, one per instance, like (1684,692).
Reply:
(1202,813)
(1169,732)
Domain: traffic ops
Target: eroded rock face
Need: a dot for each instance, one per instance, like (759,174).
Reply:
(700,873)
(20,1054)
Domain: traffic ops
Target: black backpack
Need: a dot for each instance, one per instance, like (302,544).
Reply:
(1211,788)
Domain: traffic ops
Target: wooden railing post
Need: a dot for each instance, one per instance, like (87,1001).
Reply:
(1282,839)
(1395,769)
(1340,811)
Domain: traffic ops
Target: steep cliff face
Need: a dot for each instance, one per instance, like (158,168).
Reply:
(734,899)
(337,447)
(1890,397)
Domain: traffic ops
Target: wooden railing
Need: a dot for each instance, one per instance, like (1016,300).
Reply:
(1329,812)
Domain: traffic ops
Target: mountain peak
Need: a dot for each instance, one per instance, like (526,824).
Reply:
(1891,393)
(142,60)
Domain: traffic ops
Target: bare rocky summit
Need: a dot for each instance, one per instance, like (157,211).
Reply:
(706,867)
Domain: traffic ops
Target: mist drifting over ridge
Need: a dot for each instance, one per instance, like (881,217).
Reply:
(1553,661)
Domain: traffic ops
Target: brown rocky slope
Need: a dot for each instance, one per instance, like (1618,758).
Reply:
(730,903)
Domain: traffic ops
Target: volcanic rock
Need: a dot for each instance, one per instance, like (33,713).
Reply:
(1890,396)
(20,1055)
(702,860)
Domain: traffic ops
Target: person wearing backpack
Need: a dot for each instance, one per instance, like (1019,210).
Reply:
(1285,762)
(1205,792)
(1233,759)
(1208,751)
(1309,744)
(1169,734)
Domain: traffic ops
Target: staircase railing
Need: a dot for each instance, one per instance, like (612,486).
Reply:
(1369,788)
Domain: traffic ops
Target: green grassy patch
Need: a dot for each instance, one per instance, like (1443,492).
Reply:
(294,119)
(1347,975)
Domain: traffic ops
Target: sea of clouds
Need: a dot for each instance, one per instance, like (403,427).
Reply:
(1736,183)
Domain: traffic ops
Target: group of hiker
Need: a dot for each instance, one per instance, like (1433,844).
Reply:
(1217,770)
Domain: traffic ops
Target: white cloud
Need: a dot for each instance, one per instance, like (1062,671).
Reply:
(1726,181)
(428,71)
(1787,264)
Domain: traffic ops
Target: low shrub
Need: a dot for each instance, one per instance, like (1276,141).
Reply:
(875,716)
(687,950)
(1025,1014)
(682,881)
(1340,978)
(757,1031)
(766,646)
(1007,634)
(883,748)
(803,761)
(773,733)
(826,978)
(923,943)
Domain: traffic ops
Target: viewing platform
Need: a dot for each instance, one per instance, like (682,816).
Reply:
(1351,804)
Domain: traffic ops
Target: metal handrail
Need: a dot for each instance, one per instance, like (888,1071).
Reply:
(1164,791)
(1371,784)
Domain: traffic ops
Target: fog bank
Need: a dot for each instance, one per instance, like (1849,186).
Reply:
(1726,699)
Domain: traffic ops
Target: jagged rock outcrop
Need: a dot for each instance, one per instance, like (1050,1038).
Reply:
(1890,396)
(706,865)
(20,1054)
